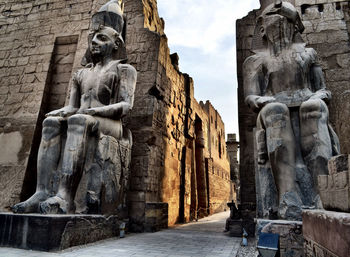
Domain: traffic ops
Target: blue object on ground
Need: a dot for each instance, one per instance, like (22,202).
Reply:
(268,244)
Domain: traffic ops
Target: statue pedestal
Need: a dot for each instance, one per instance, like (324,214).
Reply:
(241,219)
(326,233)
(54,232)
(235,227)
(290,235)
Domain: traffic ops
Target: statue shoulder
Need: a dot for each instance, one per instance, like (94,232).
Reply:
(127,78)
(254,61)
(79,74)
(127,67)
(119,65)
(127,71)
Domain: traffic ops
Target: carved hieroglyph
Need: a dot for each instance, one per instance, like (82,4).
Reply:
(84,155)
(284,83)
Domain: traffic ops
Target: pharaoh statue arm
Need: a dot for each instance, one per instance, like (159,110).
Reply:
(253,77)
(119,107)
(318,84)
(74,101)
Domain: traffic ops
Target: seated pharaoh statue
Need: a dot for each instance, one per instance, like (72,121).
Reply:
(87,138)
(284,84)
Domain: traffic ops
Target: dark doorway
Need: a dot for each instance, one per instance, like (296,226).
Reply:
(182,186)
(54,97)
(219,146)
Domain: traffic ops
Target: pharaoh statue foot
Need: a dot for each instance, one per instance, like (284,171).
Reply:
(30,205)
(54,205)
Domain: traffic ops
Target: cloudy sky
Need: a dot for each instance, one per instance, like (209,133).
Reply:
(202,32)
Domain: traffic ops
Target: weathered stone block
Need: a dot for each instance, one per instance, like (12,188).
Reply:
(326,233)
(338,163)
(55,232)
(334,188)
(343,60)
(331,25)
(235,228)
(106,180)
(156,216)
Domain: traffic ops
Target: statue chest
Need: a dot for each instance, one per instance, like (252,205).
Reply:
(99,86)
(287,73)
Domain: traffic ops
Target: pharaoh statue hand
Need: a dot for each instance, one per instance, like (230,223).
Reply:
(256,103)
(63,112)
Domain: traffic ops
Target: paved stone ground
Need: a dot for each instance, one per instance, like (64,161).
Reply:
(204,238)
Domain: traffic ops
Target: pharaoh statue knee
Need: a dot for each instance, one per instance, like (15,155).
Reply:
(284,84)
(75,137)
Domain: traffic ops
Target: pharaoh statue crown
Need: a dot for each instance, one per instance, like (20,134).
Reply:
(109,15)
(265,3)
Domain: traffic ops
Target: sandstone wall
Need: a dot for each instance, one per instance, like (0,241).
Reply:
(232,146)
(247,119)
(143,42)
(327,30)
(164,155)
(326,233)
(174,119)
(221,188)
(217,167)
(220,183)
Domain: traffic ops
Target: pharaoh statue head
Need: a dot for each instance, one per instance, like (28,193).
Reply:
(106,36)
(265,3)
(279,21)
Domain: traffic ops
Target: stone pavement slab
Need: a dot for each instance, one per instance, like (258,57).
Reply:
(204,238)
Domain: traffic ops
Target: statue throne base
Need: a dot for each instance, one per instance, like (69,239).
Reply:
(55,232)
(100,205)
(104,184)
(290,206)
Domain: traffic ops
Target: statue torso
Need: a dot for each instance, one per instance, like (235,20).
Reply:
(287,75)
(98,86)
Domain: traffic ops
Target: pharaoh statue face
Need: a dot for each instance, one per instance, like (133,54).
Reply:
(277,28)
(104,41)
(279,23)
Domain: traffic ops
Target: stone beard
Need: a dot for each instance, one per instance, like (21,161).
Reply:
(87,137)
(284,83)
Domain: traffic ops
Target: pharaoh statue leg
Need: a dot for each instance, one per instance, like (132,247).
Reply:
(274,121)
(316,143)
(80,128)
(48,158)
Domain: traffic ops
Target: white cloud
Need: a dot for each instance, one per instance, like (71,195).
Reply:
(202,23)
(202,32)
